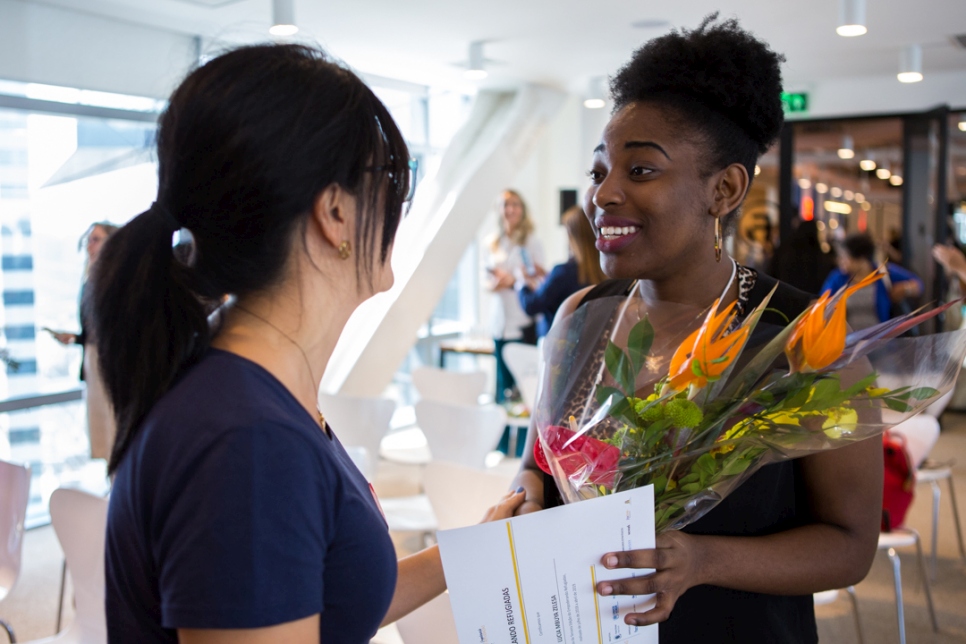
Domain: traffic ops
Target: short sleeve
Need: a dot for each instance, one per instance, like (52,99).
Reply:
(243,543)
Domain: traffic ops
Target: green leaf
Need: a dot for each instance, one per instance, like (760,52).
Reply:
(896,405)
(619,367)
(735,466)
(923,393)
(639,342)
(705,465)
(861,385)
(696,368)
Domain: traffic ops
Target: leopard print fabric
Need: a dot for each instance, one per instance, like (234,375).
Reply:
(582,395)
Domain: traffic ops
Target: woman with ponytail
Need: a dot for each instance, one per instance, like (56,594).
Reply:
(236,515)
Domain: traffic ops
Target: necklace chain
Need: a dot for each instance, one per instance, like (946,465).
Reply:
(298,346)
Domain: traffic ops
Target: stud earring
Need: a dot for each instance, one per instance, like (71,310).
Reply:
(345,249)
(717,239)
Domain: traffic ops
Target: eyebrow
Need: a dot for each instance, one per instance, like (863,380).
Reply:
(638,144)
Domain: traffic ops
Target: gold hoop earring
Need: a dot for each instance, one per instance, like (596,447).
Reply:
(345,249)
(717,239)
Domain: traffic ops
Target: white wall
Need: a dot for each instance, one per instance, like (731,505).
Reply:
(884,94)
(44,44)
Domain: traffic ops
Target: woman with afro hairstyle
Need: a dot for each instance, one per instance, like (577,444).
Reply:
(693,112)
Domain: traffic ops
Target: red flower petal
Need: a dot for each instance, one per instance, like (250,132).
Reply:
(577,456)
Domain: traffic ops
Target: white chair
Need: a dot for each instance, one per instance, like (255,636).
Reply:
(828,596)
(432,623)
(359,422)
(904,537)
(80,521)
(14,494)
(921,433)
(459,495)
(461,434)
(523,361)
(455,387)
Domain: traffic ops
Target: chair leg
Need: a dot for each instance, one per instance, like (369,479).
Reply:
(855,611)
(959,528)
(7,627)
(925,583)
(936,494)
(60,604)
(897,578)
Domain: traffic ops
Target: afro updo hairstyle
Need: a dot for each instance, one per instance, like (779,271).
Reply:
(717,78)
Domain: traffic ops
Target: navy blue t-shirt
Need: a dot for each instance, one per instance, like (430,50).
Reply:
(233,509)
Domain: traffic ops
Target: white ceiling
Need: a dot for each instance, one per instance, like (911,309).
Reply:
(563,43)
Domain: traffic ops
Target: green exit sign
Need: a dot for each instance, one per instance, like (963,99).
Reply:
(795,102)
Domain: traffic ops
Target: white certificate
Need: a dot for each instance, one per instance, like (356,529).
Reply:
(532,579)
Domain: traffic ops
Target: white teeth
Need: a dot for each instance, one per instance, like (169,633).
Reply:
(617,231)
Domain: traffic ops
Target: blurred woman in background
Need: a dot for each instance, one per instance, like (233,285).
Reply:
(868,307)
(100,417)
(514,253)
(543,293)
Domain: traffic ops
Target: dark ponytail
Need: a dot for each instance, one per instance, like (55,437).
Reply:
(246,144)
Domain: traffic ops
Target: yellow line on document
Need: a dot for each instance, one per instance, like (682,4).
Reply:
(593,579)
(516,573)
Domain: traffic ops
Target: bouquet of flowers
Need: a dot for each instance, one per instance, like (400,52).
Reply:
(625,401)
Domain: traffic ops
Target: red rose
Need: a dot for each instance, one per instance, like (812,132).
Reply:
(578,456)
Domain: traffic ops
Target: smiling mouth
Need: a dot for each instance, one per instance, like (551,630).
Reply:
(616,232)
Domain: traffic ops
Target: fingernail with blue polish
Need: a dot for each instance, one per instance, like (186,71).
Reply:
(519,489)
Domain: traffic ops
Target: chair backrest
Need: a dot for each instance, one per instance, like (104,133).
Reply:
(921,433)
(523,361)
(461,434)
(80,521)
(457,387)
(432,623)
(461,495)
(14,494)
(359,422)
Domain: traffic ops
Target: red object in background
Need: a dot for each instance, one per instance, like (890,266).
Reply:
(807,210)
(898,482)
(863,221)
(575,455)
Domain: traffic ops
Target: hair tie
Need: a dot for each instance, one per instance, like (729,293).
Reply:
(169,220)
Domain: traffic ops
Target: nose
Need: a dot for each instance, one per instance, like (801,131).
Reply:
(608,193)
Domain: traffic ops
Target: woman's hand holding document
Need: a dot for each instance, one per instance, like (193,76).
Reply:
(532,579)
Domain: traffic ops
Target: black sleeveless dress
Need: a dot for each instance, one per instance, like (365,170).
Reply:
(770,501)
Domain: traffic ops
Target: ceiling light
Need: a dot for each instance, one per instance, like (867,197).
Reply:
(834,223)
(837,207)
(859,197)
(883,173)
(595,94)
(847,151)
(820,225)
(895,180)
(475,70)
(851,18)
(821,188)
(283,18)
(866,206)
(849,195)
(804,184)
(757,170)
(962,126)
(836,192)
(910,64)
(867,164)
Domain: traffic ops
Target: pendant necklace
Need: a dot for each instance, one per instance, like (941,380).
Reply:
(308,365)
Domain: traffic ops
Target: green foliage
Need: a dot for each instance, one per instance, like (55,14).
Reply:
(619,367)
(639,342)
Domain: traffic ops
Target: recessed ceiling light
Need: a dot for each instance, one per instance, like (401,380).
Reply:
(836,192)
(883,173)
(962,126)
(838,207)
(867,164)
(895,180)
(804,184)
(849,195)
(821,188)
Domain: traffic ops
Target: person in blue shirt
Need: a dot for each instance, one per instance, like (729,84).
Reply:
(236,515)
(868,307)
(543,293)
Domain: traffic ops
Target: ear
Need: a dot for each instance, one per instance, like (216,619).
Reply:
(334,213)
(729,190)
